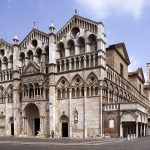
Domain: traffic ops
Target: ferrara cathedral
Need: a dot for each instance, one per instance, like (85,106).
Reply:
(70,82)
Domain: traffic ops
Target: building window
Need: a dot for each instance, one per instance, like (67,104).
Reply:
(121,70)
(111,123)
(140,89)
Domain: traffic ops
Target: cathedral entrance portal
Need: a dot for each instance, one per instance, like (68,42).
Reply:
(64,121)
(36,125)
(32,119)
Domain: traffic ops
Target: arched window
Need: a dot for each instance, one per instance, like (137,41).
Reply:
(58,66)
(82,91)
(92,42)
(73,92)
(88,91)
(71,47)
(68,93)
(31,91)
(11,60)
(5,61)
(91,90)
(96,90)
(140,88)
(121,70)
(78,92)
(22,58)
(39,55)
(59,93)
(63,93)
(30,55)
(81,44)
(61,49)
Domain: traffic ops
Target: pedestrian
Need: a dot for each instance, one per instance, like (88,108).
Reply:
(53,134)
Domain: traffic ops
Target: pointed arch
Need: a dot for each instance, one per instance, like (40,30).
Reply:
(62,82)
(91,79)
(77,80)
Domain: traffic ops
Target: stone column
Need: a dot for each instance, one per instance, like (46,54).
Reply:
(121,130)
(64,65)
(137,130)
(70,110)
(7,124)
(87,47)
(79,62)
(93,60)
(89,60)
(60,66)
(108,95)
(84,114)
(101,111)
(84,62)
(75,63)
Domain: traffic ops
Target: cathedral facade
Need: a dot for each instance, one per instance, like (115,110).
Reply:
(69,82)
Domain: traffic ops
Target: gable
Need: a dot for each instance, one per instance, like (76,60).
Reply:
(141,75)
(34,34)
(31,68)
(123,52)
(77,21)
(5,45)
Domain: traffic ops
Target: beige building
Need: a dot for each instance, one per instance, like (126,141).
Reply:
(71,83)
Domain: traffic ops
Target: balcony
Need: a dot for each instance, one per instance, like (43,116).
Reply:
(133,106)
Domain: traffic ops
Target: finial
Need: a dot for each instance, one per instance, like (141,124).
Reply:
(76,11)
(52,27)
(34,24)
(15,39)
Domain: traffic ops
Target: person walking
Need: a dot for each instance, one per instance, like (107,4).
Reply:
(53,134)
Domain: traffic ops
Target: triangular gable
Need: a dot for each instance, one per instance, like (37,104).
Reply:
(121,50)
(31,68)
(4,44)
(76,21)
(34,34)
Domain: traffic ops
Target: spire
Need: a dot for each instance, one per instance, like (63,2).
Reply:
(16,40)
(52,28)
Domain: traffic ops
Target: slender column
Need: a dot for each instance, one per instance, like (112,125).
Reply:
(84,62)
(60,66)
(75,63)
(137,130)
(85,121)
(64,65)
(89,60)
(108,95)
(70,110)
(69,64)
(94,60)
(79,62)
(101,111)
(34,97)
(7,118)
(87,47)
(121,130)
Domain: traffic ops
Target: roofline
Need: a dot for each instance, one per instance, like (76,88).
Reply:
(6,42)
(81,18)
(31,32)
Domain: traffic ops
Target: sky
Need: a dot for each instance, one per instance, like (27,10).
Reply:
(125,21)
